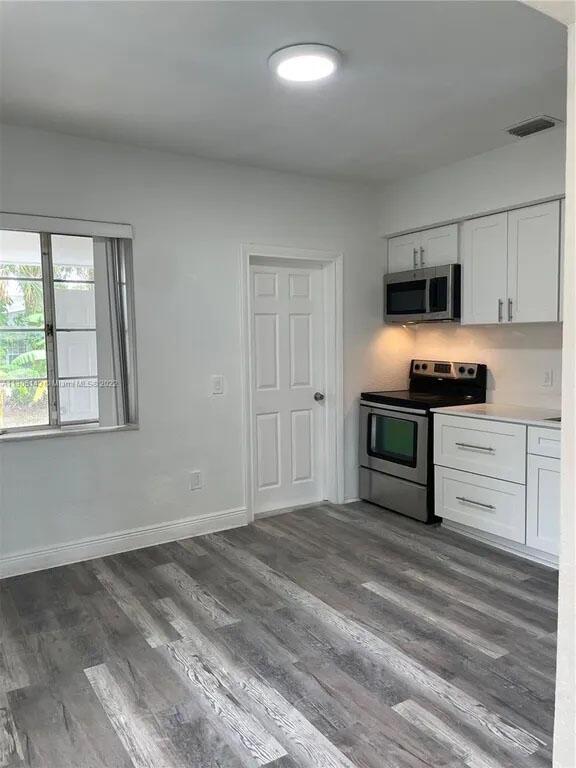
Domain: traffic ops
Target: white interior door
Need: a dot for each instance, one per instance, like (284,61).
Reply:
(288,368)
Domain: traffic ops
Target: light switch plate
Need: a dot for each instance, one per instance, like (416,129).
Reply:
(195,480)
(548,377)
(218,384)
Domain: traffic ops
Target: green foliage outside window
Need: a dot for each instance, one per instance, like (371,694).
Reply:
(22,353)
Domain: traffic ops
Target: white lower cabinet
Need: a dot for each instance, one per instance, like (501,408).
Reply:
(493,448)
(543,441)
(543,504)
(494,506)
(501,480)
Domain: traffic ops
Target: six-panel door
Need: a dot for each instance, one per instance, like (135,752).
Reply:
(287,364)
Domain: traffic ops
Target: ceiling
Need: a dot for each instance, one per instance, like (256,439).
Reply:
(424,83)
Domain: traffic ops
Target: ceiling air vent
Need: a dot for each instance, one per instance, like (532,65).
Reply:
(533,125)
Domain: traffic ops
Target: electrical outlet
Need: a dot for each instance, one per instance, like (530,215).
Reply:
(195,480)
(218,384)
(548,377)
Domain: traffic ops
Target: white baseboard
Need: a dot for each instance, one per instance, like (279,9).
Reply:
(351,500)
(284,510)
(123,541)
(528,553)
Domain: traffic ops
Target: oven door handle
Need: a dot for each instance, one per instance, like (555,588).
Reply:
(396,410)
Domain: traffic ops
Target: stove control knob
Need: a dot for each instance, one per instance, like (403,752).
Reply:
(461,369)
(417,367)
(424,366)
(471,371)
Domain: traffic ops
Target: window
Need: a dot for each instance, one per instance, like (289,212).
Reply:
(67,354)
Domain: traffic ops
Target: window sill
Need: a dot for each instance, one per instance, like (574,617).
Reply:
(42,434)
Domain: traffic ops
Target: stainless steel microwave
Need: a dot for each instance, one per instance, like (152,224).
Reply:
(422,295)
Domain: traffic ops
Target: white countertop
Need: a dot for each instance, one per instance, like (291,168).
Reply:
(503,412)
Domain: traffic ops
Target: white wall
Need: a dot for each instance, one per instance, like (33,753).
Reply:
(522,172)
(190,218)
(565,713)
(516,356)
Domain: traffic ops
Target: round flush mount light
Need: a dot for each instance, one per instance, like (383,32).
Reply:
(307,63)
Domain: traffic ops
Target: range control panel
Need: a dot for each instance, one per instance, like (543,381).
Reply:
(443,369)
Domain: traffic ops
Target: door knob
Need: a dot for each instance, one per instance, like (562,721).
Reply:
(318,396)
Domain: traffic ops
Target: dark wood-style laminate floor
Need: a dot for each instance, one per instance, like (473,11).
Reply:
(329,637)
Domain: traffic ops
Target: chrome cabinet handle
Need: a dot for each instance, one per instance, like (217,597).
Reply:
(464,500)
(476,447)
(421,256)
(500,305)
(509,310)
(415,257)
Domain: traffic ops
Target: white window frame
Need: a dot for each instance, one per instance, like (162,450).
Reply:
(113,241)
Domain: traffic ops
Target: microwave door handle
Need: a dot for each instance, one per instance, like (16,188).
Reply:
(429,300)
(450,292)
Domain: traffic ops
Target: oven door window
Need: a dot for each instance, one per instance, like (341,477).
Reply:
(407,298)
(393,439)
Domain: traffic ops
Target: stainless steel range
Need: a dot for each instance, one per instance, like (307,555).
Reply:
(396,440)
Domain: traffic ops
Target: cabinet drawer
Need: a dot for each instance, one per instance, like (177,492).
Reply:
(492,448)
(544,442)
(493,506)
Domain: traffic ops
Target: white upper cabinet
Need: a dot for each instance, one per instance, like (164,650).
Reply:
(439,246)
(533,263)
(430,248)
(484,267)
(510,266)
(403,252)
(562,261)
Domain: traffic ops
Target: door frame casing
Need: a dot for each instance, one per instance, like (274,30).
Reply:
(332,272)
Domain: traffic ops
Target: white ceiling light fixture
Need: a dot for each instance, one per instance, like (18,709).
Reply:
(305,63)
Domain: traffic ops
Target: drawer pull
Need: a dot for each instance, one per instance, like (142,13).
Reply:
(476,447)
(464,500)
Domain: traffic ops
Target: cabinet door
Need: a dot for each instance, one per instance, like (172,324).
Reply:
(404,252)
(533,263)
(562,261)
(439,246)
(543,504)
(490,505)
(484,268)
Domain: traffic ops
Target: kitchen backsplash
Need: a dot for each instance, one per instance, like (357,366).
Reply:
(518,357)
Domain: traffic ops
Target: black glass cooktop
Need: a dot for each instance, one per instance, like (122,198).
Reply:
(421,400)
